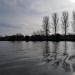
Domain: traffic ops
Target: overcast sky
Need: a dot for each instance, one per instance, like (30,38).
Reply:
(25,16)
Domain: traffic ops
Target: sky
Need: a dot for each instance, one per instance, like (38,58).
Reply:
(25,16)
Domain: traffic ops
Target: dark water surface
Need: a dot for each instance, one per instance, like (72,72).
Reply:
(37,58)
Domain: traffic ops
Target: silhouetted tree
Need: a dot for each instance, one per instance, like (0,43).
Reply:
(65,21)
(27,38)
(46,26)
(55,21)
(73,20)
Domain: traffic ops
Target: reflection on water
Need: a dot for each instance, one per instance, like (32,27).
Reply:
(37,58)
(66,60)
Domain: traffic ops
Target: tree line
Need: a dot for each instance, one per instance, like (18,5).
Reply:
(45,36)
(64,23)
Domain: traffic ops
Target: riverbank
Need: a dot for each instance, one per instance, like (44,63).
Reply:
(56,37)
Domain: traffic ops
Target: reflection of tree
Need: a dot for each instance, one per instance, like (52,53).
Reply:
(65,50)
(55,50)
(57,60)
(46,52)
(48,56)
(66,63)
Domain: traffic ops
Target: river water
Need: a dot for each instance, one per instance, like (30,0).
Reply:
(37,58)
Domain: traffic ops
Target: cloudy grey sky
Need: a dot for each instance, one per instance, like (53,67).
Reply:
(25,16)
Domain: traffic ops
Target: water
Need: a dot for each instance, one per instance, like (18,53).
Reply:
(37,58)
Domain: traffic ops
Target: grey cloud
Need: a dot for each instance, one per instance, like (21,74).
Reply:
(44,6)
(13,13)
(27,6)
(14,7)
(5,25)
(24,7)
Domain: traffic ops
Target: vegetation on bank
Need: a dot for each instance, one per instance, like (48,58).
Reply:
(21,37)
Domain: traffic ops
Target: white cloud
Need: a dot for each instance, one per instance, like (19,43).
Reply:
(41,6)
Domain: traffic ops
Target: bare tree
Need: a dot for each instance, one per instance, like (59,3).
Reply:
(55,20)
(65,21)
(46,26)
(73,21)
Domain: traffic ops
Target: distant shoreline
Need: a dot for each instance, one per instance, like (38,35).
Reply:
(27,38)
